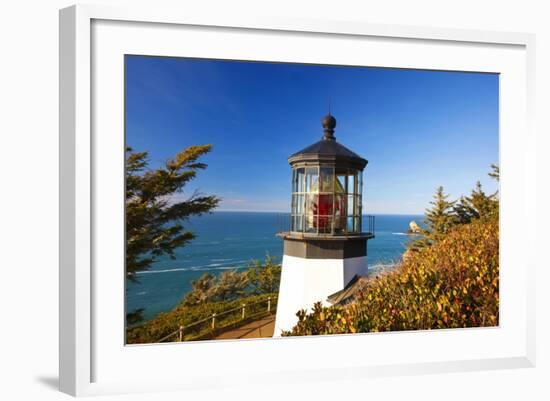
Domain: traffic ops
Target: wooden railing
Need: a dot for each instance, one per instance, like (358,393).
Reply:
(245,316)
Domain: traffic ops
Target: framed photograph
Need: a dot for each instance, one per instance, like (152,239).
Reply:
(295,200)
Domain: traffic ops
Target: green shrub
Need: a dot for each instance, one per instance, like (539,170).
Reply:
(453,283)
(259,278)
(264,278)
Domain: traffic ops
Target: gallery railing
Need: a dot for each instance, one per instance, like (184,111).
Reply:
(217,322)
(284,223)
(371,224)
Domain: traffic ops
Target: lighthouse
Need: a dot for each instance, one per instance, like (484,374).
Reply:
(325,248)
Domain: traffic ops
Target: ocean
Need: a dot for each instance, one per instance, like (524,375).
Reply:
(230,240)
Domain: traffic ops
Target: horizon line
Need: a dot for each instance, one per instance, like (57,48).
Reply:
(287,212)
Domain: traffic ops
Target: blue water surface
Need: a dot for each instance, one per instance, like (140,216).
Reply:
(231,240)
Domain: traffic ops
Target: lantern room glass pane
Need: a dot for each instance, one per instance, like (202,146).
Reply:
(296,204)
(350,205)
(340,183)
(340,213)
(297,211)
(300,174)
(350,225)
(312,178)
(310,213)
(298,222)
(324,224)
(340,205)
(323,204)
(300,204)
(357,224)
(310,223)
(351,182)
(327,179)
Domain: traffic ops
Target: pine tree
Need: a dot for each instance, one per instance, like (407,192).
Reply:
(478,205)
(485,205)
(202,291)
(227,286)
(496,172)
(463,210)
(444,215)
(231,285)
(153,218)
(440,217)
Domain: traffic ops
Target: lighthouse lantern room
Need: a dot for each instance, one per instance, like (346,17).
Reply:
(326,246)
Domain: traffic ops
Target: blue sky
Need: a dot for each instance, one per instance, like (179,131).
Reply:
(418,129)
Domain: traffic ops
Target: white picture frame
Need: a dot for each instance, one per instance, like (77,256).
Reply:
(89,363)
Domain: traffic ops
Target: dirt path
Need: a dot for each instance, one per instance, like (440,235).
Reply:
(258,329)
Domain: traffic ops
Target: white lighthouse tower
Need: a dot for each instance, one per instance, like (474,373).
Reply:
(326,247)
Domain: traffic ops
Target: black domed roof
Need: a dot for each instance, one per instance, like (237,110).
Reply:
(328,149)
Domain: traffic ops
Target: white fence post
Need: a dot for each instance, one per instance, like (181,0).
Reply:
(213,321)
(242,314)
(181,333)
(269,304)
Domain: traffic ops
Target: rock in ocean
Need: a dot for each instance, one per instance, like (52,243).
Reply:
(414,228)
